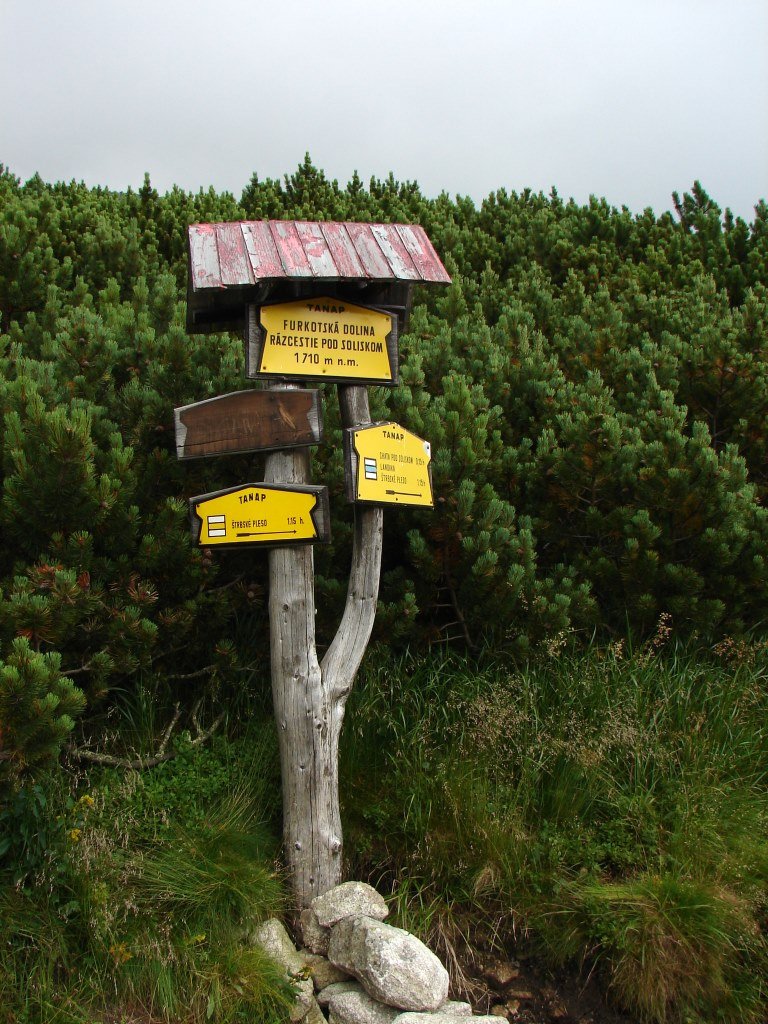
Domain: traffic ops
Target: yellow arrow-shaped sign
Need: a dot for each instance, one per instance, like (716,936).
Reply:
(266,514)
(389,465)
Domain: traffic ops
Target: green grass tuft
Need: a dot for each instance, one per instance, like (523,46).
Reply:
(613,806)
(145,895)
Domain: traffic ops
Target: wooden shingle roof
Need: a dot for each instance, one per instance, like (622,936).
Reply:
(243,254)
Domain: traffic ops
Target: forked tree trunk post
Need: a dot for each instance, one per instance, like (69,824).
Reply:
(345,289)
(310,697)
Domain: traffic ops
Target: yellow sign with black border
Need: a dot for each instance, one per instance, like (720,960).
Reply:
(323,339)
(389,465)
(261,514)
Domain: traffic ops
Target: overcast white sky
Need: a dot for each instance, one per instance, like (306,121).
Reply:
(628,99)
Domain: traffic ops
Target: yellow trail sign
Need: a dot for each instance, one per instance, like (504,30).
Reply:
(266,514)
(388,465)
(322,339)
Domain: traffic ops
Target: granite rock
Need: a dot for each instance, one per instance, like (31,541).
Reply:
(313,935)
(392,965)
(350,899)
(276,942)
(455,1008)
(314,1014)
(322,970)
(359,1008)
(439,1018)
(325,995)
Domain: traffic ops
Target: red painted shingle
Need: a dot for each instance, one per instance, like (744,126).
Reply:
(244,253)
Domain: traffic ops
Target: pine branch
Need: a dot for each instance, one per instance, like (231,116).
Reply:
(77,671)
(192,675)
(224,586)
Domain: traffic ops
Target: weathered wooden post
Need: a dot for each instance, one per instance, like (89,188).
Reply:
(309,698)
(318,301)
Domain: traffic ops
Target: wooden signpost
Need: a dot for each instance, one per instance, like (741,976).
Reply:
(388,465)
(262,514)
(318,301)
(247,421)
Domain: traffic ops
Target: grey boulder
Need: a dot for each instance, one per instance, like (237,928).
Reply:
(322,970)
(440,1018)
(392,966)
(349,899)
(325,995)
(455,1008)
(276,942)
(359,1008)
(314,936)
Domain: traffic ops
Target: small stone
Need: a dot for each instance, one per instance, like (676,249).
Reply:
(359,1008)
(314,1014)
(499,1010)
(325,995)
(322,970)
(412,1017)
(349,899)
(455,1008)
(501,973)
(314,936)
(555,1006)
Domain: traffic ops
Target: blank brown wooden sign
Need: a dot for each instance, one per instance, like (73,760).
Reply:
(248,421)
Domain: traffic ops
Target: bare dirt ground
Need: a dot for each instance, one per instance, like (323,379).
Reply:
(514,985)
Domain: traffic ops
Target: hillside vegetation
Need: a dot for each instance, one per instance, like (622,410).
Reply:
(594,384)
